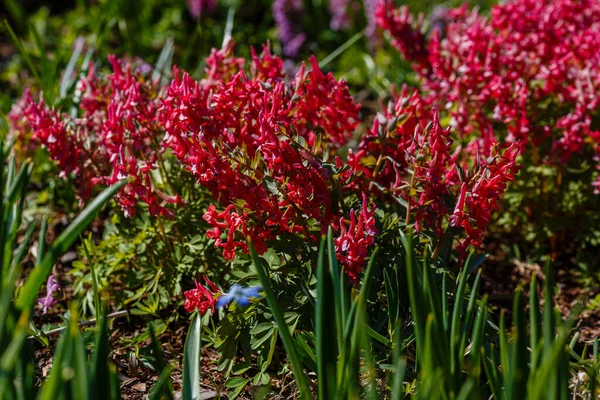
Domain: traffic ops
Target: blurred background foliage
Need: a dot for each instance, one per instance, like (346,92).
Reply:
(141,30)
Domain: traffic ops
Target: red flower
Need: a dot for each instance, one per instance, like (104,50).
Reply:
(201,298)
(353,244)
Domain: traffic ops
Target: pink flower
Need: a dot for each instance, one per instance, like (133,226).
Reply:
(48,301)
(198,7)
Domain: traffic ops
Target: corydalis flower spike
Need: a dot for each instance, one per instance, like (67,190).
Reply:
(201,298)
(353,243)
(48,301)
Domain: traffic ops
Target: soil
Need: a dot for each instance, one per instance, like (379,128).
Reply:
(502,276)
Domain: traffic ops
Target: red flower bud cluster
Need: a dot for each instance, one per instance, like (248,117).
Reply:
(408,154)
(407,35)
(479,194)
(256,143)
(113,136)
(201,298)
(531,72)
(353,243)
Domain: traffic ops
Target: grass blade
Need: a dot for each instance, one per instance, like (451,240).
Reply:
(535,322)
(191,360)
(325,317)
(284,332)
(42,241)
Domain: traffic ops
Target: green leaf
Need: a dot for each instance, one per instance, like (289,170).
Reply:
(80,372)
(325,317)
(69,76)
(161,389)
(28,294)
(549,327)
(42,241)
(286,337)
(191,360)
(338,287)
(100,372)
(237,384)
(51,388)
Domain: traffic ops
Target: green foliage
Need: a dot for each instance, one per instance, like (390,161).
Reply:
(412,328)
(191,360)
(70,374)
(551,209)
(148,257)
(123,28)
(458,351)
(74,374)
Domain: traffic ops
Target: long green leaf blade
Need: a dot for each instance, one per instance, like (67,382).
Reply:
(191,360)
(284,332)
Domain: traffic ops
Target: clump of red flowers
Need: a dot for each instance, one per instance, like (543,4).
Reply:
(257,142)
(201,298)
(354,242)
(264,144)
(407,155)
(527,75)
(113,135)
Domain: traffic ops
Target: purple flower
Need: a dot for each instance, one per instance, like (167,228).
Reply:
(240,295)
(339,14)
(197,7)
(48,301)
(372,31)
(288,17)
(439,19)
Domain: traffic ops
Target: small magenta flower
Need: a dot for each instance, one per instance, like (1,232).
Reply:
(240,295)
(197,7)
(48,301)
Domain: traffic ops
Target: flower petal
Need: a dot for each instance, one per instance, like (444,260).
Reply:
(224,300)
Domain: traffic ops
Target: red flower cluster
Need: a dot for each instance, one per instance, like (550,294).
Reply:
(201,298)
(256,142)
(353,244)
(408,154)
(50,130)
(260,142)
(531,72)
(19,128)
(480,194)
(407,35)
(113,136)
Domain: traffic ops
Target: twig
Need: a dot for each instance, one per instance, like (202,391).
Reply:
(116,314)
